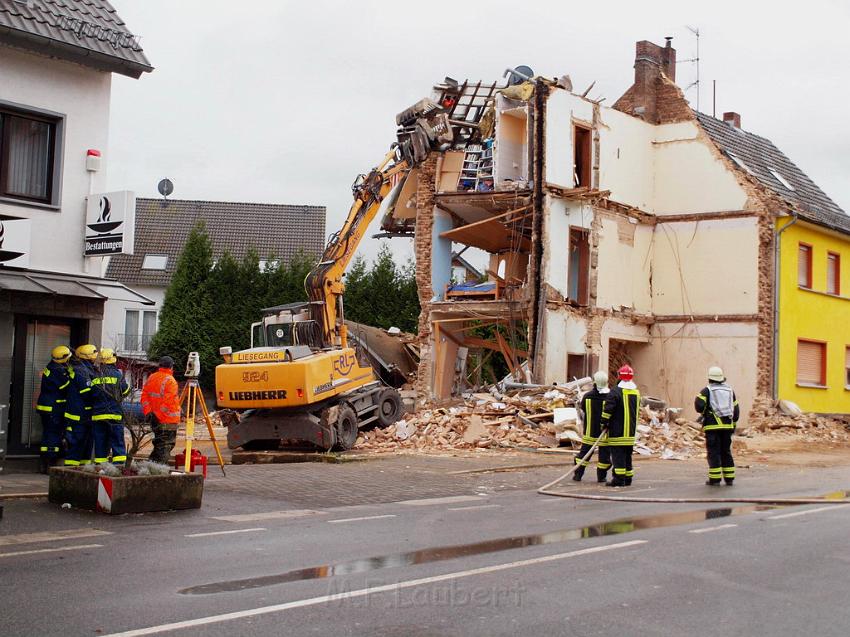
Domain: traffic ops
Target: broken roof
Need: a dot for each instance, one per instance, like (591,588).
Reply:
(88,32)
(759,158)
(277,230)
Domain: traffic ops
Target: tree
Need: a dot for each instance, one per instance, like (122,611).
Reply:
(188,306)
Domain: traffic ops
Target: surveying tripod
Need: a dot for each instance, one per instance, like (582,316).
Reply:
(192,395)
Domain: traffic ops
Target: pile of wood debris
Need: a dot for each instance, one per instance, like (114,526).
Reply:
(784,417)
(533,417)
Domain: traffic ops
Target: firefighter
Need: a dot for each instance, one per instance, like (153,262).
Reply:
(620,415)
(719,410)
(591,409)
(51,404)
(108,391)
(161,406)
(78,409)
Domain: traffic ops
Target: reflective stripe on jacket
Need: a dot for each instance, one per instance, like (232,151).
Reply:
(108,391)
(54,387)
(159,397)
(710,420)
(78,407)
(621,414)
(591,405)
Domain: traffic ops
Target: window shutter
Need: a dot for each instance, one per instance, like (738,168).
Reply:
(803,266)
(832,274)
(810,358)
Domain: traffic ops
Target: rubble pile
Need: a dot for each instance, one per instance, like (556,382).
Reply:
(769,416)
(534,417)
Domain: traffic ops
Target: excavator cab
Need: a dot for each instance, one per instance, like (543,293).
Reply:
(286,325)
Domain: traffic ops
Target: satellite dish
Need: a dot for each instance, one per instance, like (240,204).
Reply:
(165,187)
(519,75)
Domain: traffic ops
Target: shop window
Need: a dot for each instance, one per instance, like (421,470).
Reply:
(804,266)
(581,156)
(28,156)
(833,273)
(811,363)
(578,268)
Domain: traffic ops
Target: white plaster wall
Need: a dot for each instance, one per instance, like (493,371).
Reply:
(689,177)
(565,334)
(623,268)
(561,215)
(82,96)
(562,108)
(113,314)
(626,159)
(705,267)
(675,365)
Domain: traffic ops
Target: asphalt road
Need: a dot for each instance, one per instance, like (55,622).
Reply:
(480,561)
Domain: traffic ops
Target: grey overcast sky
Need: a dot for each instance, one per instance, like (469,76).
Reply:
(287,101)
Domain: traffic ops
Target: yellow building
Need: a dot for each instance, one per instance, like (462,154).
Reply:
(814,316)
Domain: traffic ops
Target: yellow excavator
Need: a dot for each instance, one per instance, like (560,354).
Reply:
(301,380)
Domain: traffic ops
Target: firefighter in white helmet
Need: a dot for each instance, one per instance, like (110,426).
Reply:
(718,407)
(591,405)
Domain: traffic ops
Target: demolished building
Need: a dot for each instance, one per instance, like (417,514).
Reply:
(631,233)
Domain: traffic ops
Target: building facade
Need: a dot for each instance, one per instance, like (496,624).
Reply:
(644,232)
(56,66)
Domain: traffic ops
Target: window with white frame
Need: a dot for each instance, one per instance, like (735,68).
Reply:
(155,262)
(139,328)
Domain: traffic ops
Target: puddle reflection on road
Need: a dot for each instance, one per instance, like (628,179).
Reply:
(423,556)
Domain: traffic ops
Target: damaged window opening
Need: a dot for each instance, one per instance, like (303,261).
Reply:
(578,366)
(578,269)
(581,156)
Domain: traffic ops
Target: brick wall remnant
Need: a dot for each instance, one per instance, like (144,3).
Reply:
(425,189)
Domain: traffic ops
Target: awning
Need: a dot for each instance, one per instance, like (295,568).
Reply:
(89,287)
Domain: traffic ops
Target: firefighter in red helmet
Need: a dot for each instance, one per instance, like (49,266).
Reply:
(620,415)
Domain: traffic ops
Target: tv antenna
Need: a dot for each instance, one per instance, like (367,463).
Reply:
(694,60)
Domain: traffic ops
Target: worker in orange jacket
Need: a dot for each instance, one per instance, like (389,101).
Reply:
(161,406)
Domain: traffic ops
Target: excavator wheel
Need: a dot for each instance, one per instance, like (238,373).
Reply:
(389,407)
(346,428)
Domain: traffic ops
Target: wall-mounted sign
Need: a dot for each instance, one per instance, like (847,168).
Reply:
(15,242)
(110,223)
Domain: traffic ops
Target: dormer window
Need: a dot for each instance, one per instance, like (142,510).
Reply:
(155,262)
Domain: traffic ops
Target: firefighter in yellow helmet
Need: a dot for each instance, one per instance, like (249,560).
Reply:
(108,391)
(78,408)
(55,379)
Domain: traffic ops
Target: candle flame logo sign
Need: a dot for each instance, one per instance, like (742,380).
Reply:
(104,222)
(6,255)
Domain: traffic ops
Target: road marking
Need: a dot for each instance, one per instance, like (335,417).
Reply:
(208,534)
(450,500)
(367,517)
(806,512)
(476,506)
(363,592)
(267,515)
(50,536)
(709,529)
(56,550)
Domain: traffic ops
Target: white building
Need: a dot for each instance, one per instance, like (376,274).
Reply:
(56,65)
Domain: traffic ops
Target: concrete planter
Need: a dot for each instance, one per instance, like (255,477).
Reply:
(126,494)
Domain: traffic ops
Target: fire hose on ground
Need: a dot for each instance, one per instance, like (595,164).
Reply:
(546,490)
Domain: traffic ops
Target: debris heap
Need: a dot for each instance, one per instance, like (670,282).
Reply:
(769,416)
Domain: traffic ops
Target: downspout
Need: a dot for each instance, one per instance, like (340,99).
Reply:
(776,287)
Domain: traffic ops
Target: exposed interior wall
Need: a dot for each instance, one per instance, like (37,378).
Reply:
(625,159)
(706,267)
(624,265)
(449,170)
(689,175)
(560,216)
(565,333)
(675,365)
(510,150)
(562,110)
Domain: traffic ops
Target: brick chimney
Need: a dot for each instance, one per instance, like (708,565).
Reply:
(733,119)
(650,61)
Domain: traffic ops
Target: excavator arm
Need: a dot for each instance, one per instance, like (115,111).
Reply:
(422,128)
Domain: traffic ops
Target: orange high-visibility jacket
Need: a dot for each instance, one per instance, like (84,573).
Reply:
(159,396)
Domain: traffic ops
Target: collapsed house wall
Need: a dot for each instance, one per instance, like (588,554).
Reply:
(563,110)
(675,363)
(625,264)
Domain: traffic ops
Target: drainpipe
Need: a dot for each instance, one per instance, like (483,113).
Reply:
(776,288)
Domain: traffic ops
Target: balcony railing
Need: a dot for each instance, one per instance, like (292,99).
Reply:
(136,343)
